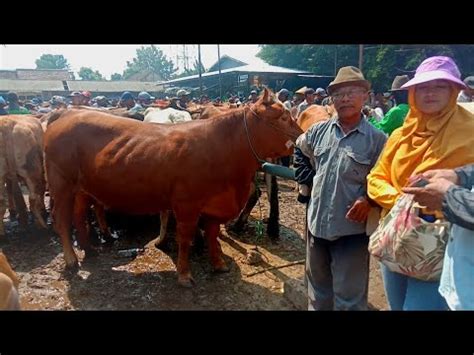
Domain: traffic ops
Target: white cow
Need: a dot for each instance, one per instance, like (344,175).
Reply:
(168,115)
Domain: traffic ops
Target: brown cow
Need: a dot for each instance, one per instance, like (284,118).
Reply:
(314,114)
(21,157)
(9,299)
(141,168)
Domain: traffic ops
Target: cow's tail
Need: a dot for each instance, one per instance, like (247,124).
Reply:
(12,172)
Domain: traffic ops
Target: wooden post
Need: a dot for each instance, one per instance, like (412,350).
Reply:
(361,56)
(219,64)
(200,66)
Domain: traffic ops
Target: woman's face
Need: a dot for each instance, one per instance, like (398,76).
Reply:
(433,96)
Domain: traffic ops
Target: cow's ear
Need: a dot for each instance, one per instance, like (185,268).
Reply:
(268,97)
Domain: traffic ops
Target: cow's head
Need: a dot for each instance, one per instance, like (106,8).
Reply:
(280,125)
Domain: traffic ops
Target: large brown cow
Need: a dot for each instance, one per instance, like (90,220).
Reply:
(141,168)
(21,158)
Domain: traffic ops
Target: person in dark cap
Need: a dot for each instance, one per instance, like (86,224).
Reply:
(320,95)
(332,160)
(14,107)
(308,101)
(467,95)
(284,95)
(58,102)
(145,99)
(127,100)
(3,103)
(101,101)
(395,117)
(253,96)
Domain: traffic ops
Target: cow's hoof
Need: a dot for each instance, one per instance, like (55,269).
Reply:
(72,267)
(221,269)
(186,281)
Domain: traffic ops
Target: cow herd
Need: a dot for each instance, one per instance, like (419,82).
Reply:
(200,169)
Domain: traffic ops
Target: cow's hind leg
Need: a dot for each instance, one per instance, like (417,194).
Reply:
(81,206)
(63,195)
(36,198)
(211,228)
(241,222)
(16,202)
(102,221)
(185,229)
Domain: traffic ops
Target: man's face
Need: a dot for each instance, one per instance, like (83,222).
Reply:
(184,98)
(77,100)
(309,98)
(348,100)
(145,102)
(283,97)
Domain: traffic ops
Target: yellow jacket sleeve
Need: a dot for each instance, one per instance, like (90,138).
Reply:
(379,182)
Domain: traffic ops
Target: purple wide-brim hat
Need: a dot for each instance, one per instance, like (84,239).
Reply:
(436,68)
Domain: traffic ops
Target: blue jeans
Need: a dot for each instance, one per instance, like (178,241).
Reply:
(337,272)
(410,294)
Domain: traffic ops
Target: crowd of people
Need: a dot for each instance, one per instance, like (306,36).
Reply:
(366,156)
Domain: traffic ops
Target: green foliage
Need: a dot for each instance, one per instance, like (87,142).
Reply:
(89,74)
(52,61)
(116,77)
(193,71)
(150,59)
(381,63)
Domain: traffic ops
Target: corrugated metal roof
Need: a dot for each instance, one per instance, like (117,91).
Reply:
(111,86)
(43,74)
(250,68)
(78,85)
(30,85)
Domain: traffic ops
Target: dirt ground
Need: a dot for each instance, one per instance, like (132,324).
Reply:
(149,281)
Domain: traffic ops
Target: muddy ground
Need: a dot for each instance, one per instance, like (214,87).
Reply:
(148,282)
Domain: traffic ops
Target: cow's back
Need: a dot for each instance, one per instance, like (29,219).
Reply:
(314,114)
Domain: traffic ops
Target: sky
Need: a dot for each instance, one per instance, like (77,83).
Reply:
(109,59)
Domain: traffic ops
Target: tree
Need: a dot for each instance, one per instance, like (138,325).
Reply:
(52,61)
(116,77)
(381,63)
(89,74)
(150,59)
(193,71)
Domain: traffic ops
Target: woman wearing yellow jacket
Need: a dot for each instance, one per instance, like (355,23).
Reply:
(437,134)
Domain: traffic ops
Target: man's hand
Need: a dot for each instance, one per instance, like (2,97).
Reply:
(359,210)
(446,174)
(432,195)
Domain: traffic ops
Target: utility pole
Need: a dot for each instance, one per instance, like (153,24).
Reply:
(200,66)
(361,56)
(219,64)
